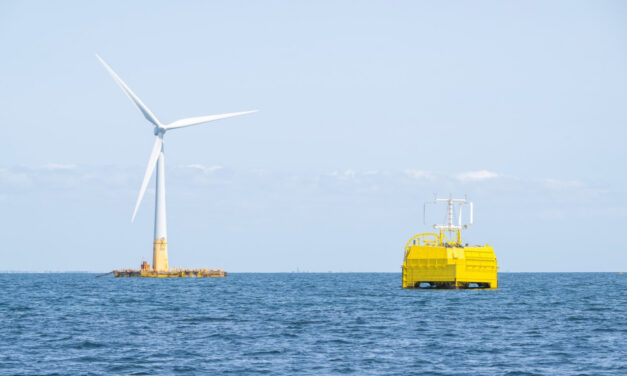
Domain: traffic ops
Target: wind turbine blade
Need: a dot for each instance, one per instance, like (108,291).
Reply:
(140,105)
(154,155)
(203,119)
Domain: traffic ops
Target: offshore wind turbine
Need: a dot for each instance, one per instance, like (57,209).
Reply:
(156,160)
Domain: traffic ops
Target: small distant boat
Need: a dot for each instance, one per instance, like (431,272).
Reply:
(442,261)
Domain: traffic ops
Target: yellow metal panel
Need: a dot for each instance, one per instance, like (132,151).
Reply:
(448,264)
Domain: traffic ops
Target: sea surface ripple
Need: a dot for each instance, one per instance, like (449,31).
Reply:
(317,324)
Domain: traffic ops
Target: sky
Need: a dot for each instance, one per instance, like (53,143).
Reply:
(366,110)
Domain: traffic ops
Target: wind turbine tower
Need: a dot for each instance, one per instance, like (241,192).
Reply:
(160,267)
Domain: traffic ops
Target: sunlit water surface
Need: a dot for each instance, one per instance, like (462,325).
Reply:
(285,324)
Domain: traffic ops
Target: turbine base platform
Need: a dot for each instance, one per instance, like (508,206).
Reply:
(173,273)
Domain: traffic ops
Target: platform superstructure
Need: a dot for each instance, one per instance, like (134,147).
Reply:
(441,260)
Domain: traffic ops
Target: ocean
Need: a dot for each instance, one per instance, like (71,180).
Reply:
(311,324)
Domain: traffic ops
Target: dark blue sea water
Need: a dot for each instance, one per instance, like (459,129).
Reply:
(285,324)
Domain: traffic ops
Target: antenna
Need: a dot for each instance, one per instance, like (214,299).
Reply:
(450,223)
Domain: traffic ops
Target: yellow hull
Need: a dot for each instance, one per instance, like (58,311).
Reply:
(438,265)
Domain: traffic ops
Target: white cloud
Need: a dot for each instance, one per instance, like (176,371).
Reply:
(476,175)
(350,173)
(562,184)
(16,178)
(420,175)
(344,175)
(58,166)
(204,169)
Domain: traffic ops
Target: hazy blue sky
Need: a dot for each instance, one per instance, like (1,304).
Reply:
(367,109)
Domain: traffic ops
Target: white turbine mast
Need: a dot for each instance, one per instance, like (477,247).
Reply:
(160,256)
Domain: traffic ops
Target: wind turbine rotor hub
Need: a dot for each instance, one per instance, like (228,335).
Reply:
(159,131)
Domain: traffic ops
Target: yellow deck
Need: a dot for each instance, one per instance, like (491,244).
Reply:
(432,261)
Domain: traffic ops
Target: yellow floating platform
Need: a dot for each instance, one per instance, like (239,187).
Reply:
(431,263)
(174,273)
(443,261)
